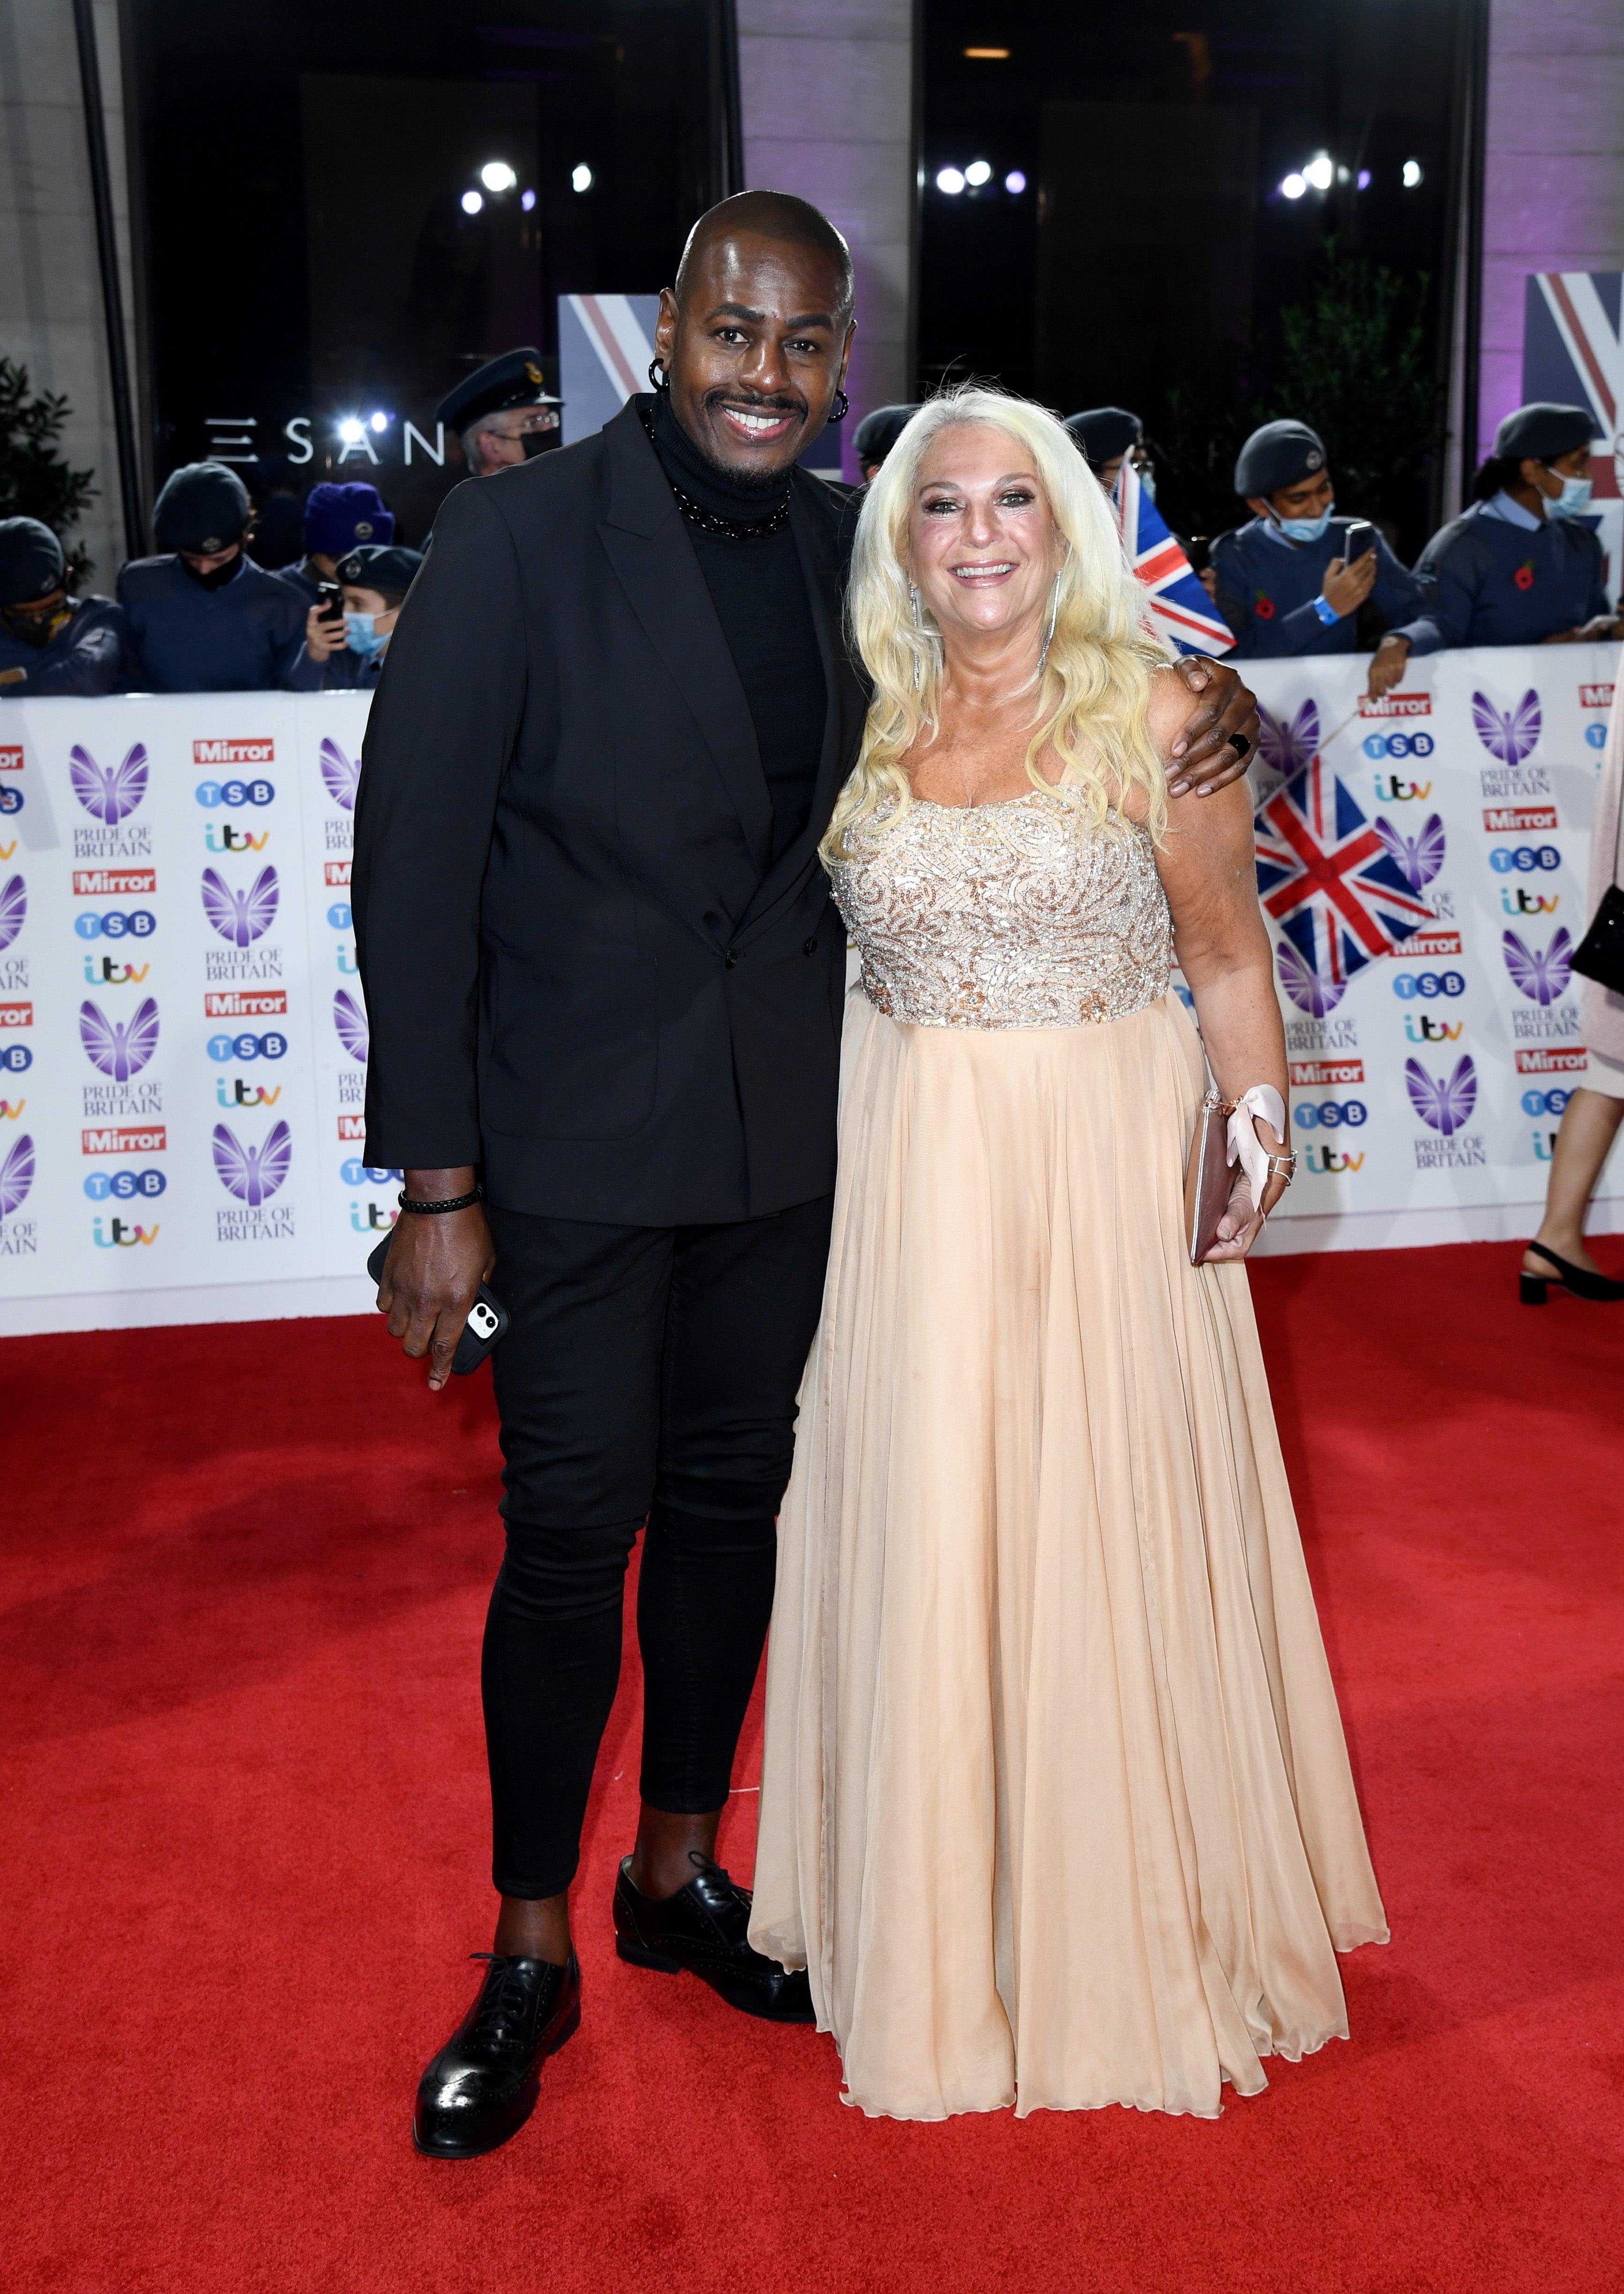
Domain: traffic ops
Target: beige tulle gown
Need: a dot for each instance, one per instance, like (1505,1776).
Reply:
(1055,1804)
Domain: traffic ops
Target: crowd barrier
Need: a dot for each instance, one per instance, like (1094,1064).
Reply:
(183,1039)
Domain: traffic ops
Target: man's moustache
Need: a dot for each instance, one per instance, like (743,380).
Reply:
(797,406)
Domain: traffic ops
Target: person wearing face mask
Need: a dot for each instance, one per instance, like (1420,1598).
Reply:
(1105,437)
(1521,566)
(503,414)
(1286,585)
(49,643)
(205,618)
(350,649)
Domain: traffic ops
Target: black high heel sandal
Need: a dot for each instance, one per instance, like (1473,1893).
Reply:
(1532,1289)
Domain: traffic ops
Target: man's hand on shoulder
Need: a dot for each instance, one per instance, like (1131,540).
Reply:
(437,1261)
(1205,758)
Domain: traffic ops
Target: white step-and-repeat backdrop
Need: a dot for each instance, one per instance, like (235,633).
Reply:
(183,1035)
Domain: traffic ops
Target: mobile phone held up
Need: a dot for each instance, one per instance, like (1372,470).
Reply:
(486,1326)
(329,601)
(1360,537)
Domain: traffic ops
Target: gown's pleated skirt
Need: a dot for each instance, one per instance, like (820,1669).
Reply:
(1055,1805)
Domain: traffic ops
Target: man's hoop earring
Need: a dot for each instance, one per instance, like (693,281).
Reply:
(842,407)
(658,379)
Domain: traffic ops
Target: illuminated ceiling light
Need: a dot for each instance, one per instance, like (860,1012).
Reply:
(1320,172)
(1344,175)
(581,178)
(988,55)
(1363,184)
(380,421)
(977,173)
(527,200)
(1412,174)
(1293,187)
(471,203)
(351,432)
(497,176)
(951,180)
(1014,180)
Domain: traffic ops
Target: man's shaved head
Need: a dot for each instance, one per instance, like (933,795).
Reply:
(772,215)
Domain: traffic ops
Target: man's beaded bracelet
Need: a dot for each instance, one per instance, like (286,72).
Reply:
(453,1203)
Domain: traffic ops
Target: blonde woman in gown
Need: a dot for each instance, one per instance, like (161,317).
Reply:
(1055,1807)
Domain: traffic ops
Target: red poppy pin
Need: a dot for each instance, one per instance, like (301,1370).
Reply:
(1264,608)
(1525,575)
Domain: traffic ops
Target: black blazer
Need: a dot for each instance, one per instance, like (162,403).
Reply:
(580,968)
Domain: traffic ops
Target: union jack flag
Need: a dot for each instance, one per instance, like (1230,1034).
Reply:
(1180,609)
(1326,879)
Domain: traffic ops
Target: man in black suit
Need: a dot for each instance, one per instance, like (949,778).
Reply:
(601,966)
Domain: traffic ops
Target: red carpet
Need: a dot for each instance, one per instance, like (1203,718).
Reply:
(246,1569)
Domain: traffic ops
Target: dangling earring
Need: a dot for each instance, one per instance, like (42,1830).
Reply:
(918,626)
(1054,607)
(658,379)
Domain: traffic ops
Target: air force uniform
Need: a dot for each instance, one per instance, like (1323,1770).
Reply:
(236,631)
(76,648)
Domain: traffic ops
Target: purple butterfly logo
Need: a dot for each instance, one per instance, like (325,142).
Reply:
(16,1176)
(1510,737)
(1540,972)
(1287,745)
(13,909)
(252,1174)
(1308,989)
(351,1023)
(1443,1101)
(118,1049)
(240,917)
(109,792)
(1419,857)
(339,774)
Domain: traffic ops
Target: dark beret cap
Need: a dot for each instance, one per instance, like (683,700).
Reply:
(203,506)
(31,561)
(879,431)
(1280,454)
(1538,432)
(380,567)
(514,379)
(1104,431)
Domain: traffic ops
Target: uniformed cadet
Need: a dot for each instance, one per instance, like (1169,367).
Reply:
(1284,583)
(349,649)
(876,435)
(502,413)
(51,643)
(205,618)
(337,519)
(1105,436)
(1521,566)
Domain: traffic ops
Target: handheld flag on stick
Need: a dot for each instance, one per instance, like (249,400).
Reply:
(1180,610)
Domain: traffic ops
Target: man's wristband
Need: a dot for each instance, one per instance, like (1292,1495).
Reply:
(1327,614)
(476,1194)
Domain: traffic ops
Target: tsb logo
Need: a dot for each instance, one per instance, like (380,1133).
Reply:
(1427,985)
(234,794)
(268,1046)
(357,1174)
(1544,1102)
(15,1057)
(1330,1114)
(1523,859)
(124,1186)
(116,923)
(1398,744)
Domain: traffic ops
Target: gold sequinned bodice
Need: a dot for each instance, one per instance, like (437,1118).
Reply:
(1021,914)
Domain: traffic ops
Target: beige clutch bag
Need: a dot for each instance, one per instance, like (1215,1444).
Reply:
(1207,1177)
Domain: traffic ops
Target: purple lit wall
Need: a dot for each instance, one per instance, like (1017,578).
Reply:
(826,92)
(1553,168)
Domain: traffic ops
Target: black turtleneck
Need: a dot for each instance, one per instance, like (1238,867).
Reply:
(759,593)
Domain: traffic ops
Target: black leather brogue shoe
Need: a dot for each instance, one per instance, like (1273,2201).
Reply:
(704,1927)
(480,2087)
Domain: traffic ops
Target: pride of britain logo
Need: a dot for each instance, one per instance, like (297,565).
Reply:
(1540,973)
(1508,735)
(240,917)
(118,1048)
(109,793)
(1443,1102)
(16,1176)
(253,1175)
(342,775)
(13,909)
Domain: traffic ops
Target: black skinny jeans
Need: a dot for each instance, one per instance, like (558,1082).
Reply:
(649,1374)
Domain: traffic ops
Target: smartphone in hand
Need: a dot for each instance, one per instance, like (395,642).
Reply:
(329,601)
(487,1323)
(1360,537)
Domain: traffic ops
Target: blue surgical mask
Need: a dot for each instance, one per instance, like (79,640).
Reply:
(1572,501)
(360,629)
(1305,529)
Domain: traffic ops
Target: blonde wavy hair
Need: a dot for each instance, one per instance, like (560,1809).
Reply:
(1090,703)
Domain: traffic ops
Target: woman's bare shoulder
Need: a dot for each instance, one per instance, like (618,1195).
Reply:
(1171,705)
